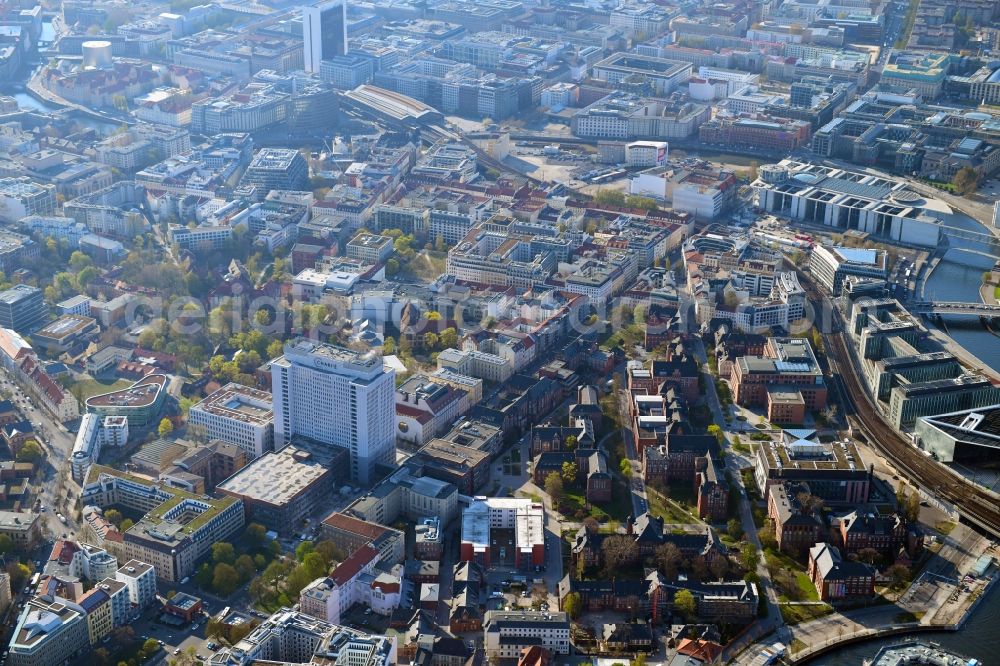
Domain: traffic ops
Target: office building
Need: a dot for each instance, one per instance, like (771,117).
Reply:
(140,403)
(237,414)
(22,308)
(970,437)
(324,33)
(339,398)
(848,200)
(831,264)
(787,363)
(291,637)
(276,169)
(834,471)
(910,401)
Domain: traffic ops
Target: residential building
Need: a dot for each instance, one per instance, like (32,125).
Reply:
(49,630)
(309,377)
(140,581)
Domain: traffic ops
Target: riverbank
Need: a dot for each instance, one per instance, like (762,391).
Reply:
(935,601)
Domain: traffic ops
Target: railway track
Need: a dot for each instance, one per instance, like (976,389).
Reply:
(971,501)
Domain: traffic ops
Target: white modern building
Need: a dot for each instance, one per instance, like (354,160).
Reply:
(338,397)
(140,579)
(831,264)
(506,633)
(239,415)
(850,201)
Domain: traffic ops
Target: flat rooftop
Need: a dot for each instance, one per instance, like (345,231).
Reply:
(808,454)
(66,326)
(277,477)
(141,394)
(241,403)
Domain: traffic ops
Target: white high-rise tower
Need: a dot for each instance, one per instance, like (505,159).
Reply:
(338,397)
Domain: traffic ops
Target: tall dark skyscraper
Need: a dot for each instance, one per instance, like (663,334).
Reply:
(324,32)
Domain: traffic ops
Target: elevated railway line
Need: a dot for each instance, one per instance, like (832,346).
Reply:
(974,504)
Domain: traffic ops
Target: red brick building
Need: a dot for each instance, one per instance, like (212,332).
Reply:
(788,363)
(836,578)
(757,132)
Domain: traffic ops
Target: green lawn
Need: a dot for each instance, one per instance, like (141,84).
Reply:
(797,614)
(669,510)
(574,503)
(86,388)
(779,561)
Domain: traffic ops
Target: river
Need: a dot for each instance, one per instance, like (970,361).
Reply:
(957,278)
(979,639)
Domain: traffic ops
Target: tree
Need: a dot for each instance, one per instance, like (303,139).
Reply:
(610,197)
(31,452)
(734,528)
(19,575)
(749,557)
(78,261)
(965,181)
(330,551)
(304,549)
(766,535)
(113,516)
(225,579)
(899,574)
(591,525)
(126,525)
(6,544)
(554,487)
(625,466)
(869,556)
(448,338)
(431,340)
(315,565)
(150,646)
(685,604)
(569,472)
(166,427)
(389,346)
(245,567)
(715,431)
(618,550)
(719,568)
(644,203)
(573,605)
(255,533)
(203,578)
(223,552)
(668,558)
(391,266)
